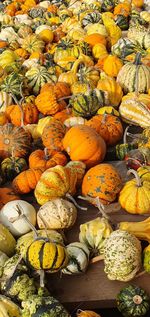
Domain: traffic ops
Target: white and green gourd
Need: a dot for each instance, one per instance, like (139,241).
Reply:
(78,258)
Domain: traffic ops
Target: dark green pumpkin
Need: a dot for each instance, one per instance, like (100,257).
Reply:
(133,301)
(90,18)
(122,22)
(123,149)
(108,5)
(11,84)
(86,105)
(12,166)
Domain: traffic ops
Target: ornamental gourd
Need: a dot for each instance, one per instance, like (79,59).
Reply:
(87,313)
(5,100)
(27,180)
(42,159)
(8,308)
(135,195)
(133,301)
(113,89)
(57,214)
(29,112)
(11,212)
(91,149)
(78,258)
(32,43)
(53,134)
(102,181)
(122,256)
(48,104)
(12,166)
(134,76)
(7,241)
(109,127)
(112,65)
(14,138)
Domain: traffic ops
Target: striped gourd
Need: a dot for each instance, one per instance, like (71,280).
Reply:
(5,100)
(38,76)
(32,44)
(134,76)
(11,83)
(78,258)
(91,17)
(139,34)
(45,255)
(135,112)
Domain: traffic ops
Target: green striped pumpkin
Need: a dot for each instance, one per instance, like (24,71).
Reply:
(108,5)
(122,21)
(86,105)
(134,76)
(92,17)
(125,47)
(133,301)
(78,258)
(38,76)
(45,255)
(33,44)
(139,34)
(12,166)
(123,149)
(11,83)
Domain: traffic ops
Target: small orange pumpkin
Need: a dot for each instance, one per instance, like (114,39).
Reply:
(83,143)
(112,65)
(41,159)
(87,313)
(29,113)
(123,9)
(95,38)
(102,181)
(26,181)
(53,134)
(108,126)
(7,194)
(47,103)
(63,115)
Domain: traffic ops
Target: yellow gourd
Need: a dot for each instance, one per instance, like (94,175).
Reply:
(140,229)
(99,51)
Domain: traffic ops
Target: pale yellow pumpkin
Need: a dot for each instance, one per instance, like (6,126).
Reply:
(114,90)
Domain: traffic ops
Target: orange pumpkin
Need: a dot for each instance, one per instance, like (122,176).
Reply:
(53,134)
(7,194)
(95,38)
(123,9)
(83,143)
(41,159)
(14,138)
(4,118)
(63,115)
(29,113)
(87,313)
(102,181)
(108,126)
(60,89)
(11,9)
(112,65)
(26,181)
(21,52)
(47,103)
(3,44)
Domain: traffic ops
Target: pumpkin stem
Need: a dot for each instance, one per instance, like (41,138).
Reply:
(125,135)
(97,258)
(63,98)
(138,179)
(44,223)
(42,277)
(137,299)
(101,207)
(46,154)
(74,202)
(137,62)
(104,118)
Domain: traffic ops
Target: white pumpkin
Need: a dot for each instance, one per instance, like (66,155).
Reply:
(41,28)
(78,258)
(71,122)
(5,100)
(22,19)
(44,4)
(7,241)
(9,34)
(57,214)
(9,217)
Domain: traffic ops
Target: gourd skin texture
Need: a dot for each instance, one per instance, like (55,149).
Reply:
(7,241)
(102,181)
(78,258)
(8,308)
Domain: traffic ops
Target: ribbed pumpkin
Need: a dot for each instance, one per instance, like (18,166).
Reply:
(53,134)
(7,194)
(3,118)
(102,181)
(109,85)
(41,159)
(26,181)
(78,258)
(14,138)
(91,149)
(47,103)
(46,255)
(134,76)
(109,127)
(32,43)
(135,195)
(112,65)
(12,166)
(29,113)
(57,214)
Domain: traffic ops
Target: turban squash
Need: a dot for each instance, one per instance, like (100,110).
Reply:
(91,149)
(102,181)
(26,181)
(30,114)
(41,159)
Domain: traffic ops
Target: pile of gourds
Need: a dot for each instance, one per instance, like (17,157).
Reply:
(73,74)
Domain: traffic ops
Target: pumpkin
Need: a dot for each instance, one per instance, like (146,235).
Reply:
(53,134)
(41,159)
(63,115)
(79,168)
(91,149)
(46,255)
(122,256)
(32,43)
(87,313)
(108,5)
(3,118)
(90,18)
(14,138)
(123,9)
(102,181)
(113,89)
(11,83)
(95,38)
(48,104)
(5,100)
(78,258)
(29,113)
(72,121)
(137,191)
(8,308)
(122,21)
(138,3)
(10,213)
(6,195)
(42,124)
(109,127)
(89,75)
(108,110)
(124,47)
(93,233)
(112,65)
(57,214)
(26,181)
(133,301)
(46,305)
(7,241)
(38,76)
(134,76)
(99,51)
(12,166)
(87,104)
